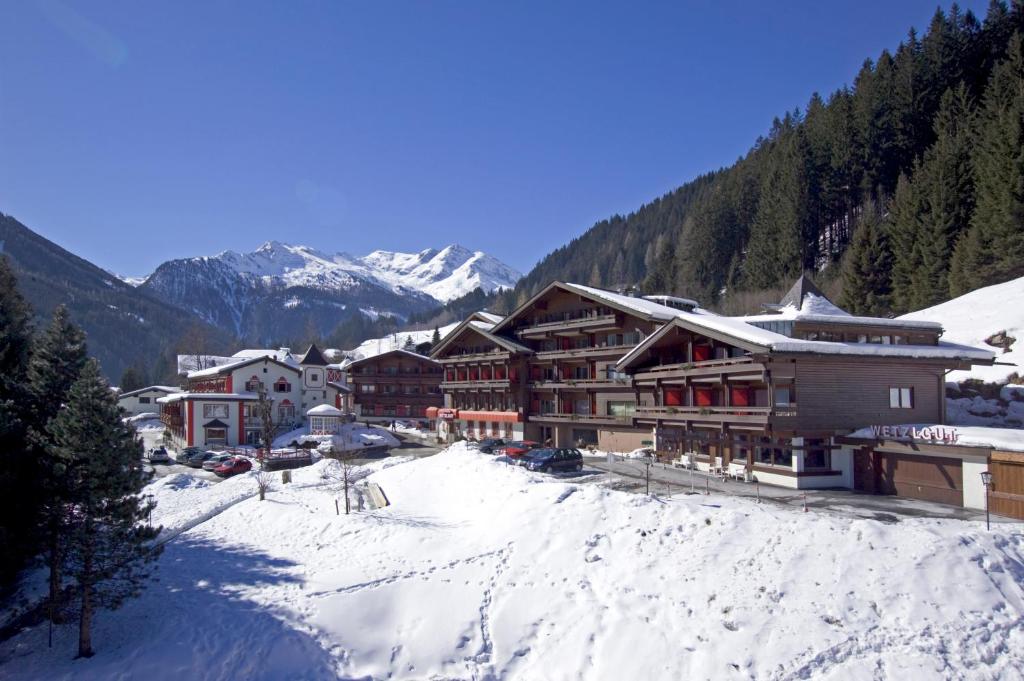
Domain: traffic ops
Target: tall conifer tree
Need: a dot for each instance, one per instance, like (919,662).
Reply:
(109,543)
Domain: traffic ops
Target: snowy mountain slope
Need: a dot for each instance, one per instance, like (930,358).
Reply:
(978,316)
(396,341)
(447,274)
(450,582)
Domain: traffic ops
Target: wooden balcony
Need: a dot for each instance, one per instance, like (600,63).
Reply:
(570,325)
(735,368)
(755,415)
(480,384)
(473,357)
(581,384)
(612,351)
(583,419)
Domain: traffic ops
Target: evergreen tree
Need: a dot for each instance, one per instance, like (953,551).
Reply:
(435,338)
(19,502)
(57,362)
(779,237)
(904,229)
(945,185)
(867,285)
(131,379)
(994,248)
(409,344)
(109,546)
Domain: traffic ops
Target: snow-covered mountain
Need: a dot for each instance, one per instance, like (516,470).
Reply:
(443,274)
(278,288)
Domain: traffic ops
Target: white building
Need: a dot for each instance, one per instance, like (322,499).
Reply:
(143,400)
(220,405)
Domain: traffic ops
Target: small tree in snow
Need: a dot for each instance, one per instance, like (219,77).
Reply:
(263,480)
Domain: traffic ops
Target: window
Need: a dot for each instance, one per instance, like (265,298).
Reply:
(367,387)
(253,384)
(143,400)
(621,408)
(584,436)
(581,373)
(771,453)
(816,455)
(216,436)
(215,411)
(286,413)
(282,386)
(784,396)
(901,398)
(612,375)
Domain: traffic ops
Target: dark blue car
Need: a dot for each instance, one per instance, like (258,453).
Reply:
(551,460)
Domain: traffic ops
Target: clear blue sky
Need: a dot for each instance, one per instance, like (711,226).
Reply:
(135,132)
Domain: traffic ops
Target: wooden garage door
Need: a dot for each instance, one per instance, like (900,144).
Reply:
(1007,496)
(930,478)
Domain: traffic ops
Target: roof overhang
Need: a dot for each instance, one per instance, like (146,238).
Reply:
(633,356)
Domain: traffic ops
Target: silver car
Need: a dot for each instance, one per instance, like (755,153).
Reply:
(215,461)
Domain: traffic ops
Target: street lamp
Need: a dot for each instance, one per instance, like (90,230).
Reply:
(986,479)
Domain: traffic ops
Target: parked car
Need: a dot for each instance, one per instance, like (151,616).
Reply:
(550,460)
(185,454)
(490,444)
(197,460)
(233,466)
(515,450)
(215,461)
(158,455)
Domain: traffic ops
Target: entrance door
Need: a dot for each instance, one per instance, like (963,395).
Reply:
(1007,494)
(930,478)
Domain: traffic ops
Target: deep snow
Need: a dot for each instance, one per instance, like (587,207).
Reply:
(479,570)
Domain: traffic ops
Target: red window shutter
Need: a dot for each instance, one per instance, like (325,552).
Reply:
(673,398)
(702,396)
(701,353)
(740,397)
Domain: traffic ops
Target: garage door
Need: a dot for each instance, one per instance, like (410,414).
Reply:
(1007,496)
(920,477)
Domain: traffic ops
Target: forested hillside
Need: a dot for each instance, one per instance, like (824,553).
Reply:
(904,189)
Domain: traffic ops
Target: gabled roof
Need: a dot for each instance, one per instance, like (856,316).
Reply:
(228,368)
(488,317)
(640,307)
(157,388)
(800,288)
(484,329)
(215,423)
(389,353)
(313,357)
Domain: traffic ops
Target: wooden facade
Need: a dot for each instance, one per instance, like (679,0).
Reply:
(396,384)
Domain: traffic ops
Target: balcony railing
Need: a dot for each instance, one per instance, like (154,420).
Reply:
(735,414)
(569,321)
(477,383)
(584,383)
(584,418)
(588,351)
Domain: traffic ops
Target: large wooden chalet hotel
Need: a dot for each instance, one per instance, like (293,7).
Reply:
(768,395)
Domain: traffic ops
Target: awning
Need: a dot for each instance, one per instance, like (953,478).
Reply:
(216,423)
(432,412)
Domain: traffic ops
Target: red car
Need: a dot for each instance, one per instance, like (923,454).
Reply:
(233,467)
(514,450)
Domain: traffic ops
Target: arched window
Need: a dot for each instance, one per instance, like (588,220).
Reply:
(253,384)
(282,386)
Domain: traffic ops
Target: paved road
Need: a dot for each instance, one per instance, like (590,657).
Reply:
(631,475)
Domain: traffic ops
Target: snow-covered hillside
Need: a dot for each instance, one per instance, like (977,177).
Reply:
(396,341)
(978,316)
(482,571)
(443,274)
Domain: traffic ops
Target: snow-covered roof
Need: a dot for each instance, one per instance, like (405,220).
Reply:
(187,363)
(490,316)
(482,328)
(178,397)
(820,309)
(151,388)
(400,351)
(241,362)
(642,306)
(324,410)
(737,328)
(1009,439)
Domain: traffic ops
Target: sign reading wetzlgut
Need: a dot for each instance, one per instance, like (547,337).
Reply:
(944,434)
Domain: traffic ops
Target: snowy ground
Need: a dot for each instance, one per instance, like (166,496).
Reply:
(480,570)
(351,436)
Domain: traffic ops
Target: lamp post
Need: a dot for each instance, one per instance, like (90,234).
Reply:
(986,479)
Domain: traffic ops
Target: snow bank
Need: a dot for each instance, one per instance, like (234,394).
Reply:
(351,436)
(480,570)
(974,317)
